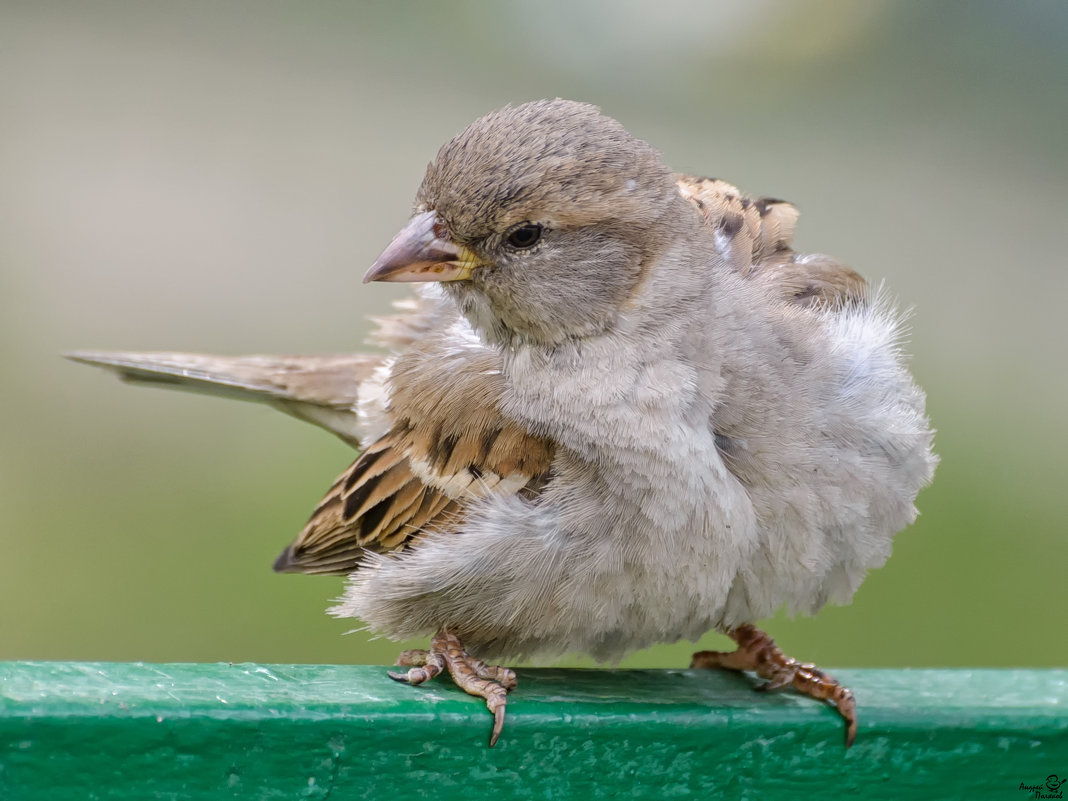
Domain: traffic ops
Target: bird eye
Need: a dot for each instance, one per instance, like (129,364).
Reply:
(525,236)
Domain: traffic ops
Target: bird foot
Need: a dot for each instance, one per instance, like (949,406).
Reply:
(757,652)
(490,682)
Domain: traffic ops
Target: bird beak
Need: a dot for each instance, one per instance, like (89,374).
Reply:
(417,253)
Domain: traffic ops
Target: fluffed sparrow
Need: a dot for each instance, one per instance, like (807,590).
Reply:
(621,411)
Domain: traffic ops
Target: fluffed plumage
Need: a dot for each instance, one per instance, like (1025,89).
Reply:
(623,412)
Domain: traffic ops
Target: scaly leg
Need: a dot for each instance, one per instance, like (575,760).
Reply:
(758,652)
(471,675)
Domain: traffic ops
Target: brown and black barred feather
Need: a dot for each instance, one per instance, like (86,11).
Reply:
(757,240)
(377,504)
(418,477)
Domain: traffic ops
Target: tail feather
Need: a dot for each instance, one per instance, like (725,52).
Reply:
(319,389)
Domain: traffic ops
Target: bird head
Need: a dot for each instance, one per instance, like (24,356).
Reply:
(539,220)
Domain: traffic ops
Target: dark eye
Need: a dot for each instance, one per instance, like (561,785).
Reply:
(525,236)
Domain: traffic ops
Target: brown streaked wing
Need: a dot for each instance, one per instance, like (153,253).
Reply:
(449,446)
(757,241)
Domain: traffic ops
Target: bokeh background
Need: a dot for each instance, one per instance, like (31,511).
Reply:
(217,177)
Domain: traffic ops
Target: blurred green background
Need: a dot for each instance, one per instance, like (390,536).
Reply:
(217,177)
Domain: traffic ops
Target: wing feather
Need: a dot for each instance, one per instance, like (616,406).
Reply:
(436,459)
(755,236)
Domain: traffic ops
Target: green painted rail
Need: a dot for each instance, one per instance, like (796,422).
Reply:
(199,731)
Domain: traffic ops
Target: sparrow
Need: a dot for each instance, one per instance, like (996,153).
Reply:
(620,409)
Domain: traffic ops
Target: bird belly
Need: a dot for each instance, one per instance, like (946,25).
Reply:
(637,539)
(604,562)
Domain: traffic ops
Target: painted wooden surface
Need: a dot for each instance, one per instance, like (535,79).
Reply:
(200,731)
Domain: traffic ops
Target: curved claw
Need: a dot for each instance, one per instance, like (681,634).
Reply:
(498,725)
(846,704)
(421,669)
(851,731)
